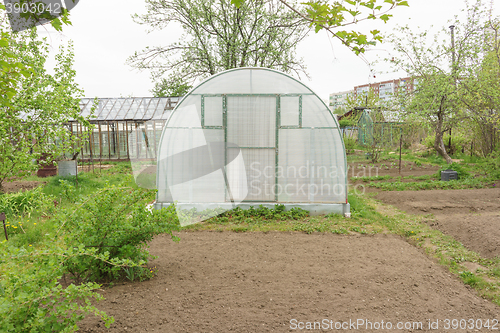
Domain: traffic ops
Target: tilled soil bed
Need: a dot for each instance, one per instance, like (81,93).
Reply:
(260,282)
(20,185)
(470,216)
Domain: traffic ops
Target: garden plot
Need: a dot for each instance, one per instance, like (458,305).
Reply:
(390,168)
(361,174)
(470,216)
(20,185)
(258,282)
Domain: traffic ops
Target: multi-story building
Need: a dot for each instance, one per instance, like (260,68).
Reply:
(338,101)
(386,90)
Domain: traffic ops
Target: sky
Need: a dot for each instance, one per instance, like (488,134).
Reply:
(104,36)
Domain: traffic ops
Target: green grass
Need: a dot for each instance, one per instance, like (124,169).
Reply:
(433,185)
(372,178)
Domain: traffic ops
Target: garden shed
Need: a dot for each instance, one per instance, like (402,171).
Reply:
(250,137)
(380,128)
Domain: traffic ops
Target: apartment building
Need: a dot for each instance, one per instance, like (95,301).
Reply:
(339,100)
(386,89)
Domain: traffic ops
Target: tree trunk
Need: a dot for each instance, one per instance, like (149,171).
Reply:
(440,148)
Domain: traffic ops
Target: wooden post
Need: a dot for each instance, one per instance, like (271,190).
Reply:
(117,125)
(109,143)
(100,141)
(400,146)
(154,137)
(2,218)
(137,140)
(126,138)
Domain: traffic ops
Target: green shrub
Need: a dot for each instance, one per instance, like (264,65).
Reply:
(115,222)
(32,300)
(492,165)
(261,213)
(347,122)
(25,202)
(350,145)
(458,142)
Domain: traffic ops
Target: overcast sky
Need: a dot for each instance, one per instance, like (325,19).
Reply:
(104,36)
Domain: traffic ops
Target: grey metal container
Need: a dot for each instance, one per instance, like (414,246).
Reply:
(67,168)
(447,175)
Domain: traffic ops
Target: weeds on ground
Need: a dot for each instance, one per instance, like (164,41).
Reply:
(433,185)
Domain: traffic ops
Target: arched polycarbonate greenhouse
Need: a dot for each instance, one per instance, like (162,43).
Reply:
(249,137)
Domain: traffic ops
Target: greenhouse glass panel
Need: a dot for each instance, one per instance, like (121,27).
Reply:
(151,108)
(249,137)
(123,108)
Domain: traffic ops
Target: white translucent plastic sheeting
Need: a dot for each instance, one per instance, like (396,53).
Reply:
(251,121)
(144,170)
(315,113)
(251,81)
(212,111)
(289,106)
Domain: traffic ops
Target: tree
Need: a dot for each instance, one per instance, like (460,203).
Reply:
(173,86)
(11,69)
(219,36)
(333,17)
(31,122)
(440,91)
(367,99)
(481,90)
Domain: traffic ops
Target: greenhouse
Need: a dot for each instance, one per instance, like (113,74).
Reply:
(380,128)
(250,137)
(123,127)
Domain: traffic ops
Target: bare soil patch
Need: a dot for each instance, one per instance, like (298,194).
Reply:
(20,185)
(470,216)
(258,282)
(367,169)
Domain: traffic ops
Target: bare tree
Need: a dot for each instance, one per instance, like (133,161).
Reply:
(220,36)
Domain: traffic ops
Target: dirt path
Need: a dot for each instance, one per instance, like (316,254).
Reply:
(256,282)
(470,216)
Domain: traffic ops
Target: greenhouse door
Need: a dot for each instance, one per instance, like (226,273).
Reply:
(250,123)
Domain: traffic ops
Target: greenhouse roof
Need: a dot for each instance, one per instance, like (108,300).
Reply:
(129,108)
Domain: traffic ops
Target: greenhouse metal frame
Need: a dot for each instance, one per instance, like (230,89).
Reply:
(252,125)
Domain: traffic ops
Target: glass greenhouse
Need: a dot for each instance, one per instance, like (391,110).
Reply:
(379,128)
(249,137)
(123,127)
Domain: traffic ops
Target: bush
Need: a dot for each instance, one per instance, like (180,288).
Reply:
(347,122)
(25,202)
(115,222)
(350,145)
(459,143)
(32,300)
(462,173)
(492,165)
